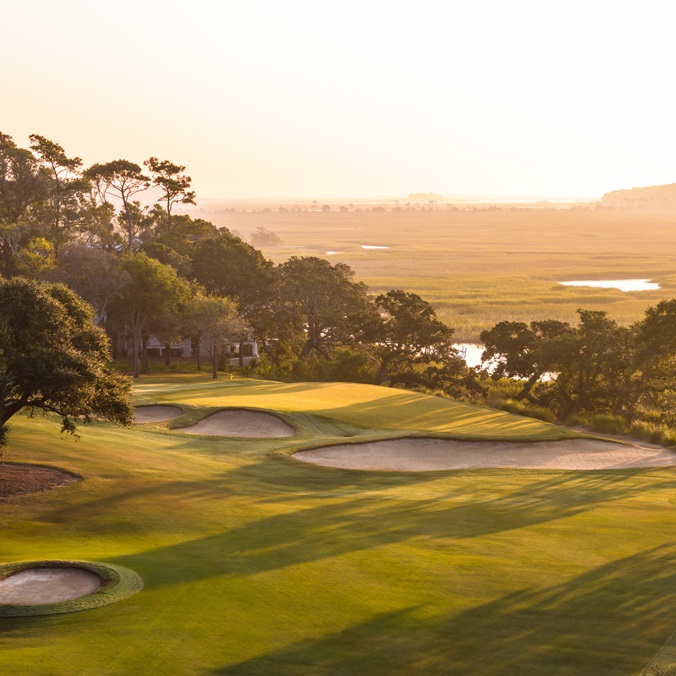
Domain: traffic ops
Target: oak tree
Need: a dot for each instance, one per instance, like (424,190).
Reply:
(53,358)
(323,303)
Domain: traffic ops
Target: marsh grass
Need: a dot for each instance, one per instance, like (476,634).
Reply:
(482,267)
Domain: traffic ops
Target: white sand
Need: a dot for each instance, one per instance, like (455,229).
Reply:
(241,423)
(37,586)
(147,414)
(439,454)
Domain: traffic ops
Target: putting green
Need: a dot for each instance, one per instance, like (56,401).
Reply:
(363,406)
(254,563)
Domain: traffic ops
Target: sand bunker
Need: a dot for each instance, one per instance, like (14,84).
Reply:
(147,414)
(20,479)
(38,586)
(241,423)
(438,454)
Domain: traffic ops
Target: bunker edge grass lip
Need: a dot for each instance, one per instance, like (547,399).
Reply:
(117,583)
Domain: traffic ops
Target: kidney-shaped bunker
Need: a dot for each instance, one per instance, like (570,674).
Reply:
(242,422)
(419,454)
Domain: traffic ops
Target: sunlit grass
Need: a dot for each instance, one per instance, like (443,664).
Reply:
(257,564)
(365,406)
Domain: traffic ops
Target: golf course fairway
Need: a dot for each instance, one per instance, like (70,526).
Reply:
(256,563)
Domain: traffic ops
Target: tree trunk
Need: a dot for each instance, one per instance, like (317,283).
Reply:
(199,352)
(130,227)
(214,372)
(241,353)
(114,344)
(167,354)
(525,392)
(145,368)
(9,411)
(383,376)
(137,370)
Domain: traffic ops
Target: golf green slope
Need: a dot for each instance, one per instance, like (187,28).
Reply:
(365,406)
(254,563)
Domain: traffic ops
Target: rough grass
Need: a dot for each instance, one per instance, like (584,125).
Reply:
(255,564)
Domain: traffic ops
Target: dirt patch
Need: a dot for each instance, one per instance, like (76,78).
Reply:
(440,454)
(20,479)
(38,586)
(157,413)
(242,423)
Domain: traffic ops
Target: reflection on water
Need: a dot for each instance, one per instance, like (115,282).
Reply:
(372,246)
(470,352)
(621,284)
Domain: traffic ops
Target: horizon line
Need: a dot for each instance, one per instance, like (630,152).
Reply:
(467,199)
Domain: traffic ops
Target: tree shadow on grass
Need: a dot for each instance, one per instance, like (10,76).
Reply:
(272,479)
(610,620)
(19,628)
(361,523)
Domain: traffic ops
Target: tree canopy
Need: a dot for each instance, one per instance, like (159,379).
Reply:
(151,300)
(595,367)
(53,358)
(215,320)
(409,333)
(323,303)
(123,179)
(173,183)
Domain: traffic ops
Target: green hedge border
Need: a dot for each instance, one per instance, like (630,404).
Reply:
(118,583)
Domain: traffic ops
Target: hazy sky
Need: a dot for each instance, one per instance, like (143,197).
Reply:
(327,99)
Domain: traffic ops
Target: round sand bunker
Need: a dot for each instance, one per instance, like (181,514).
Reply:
(22,479)
(52,587)
(157,413)
(444,454)
(37,586)
(239,422)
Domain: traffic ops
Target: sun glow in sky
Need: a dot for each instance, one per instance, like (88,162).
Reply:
(353,99)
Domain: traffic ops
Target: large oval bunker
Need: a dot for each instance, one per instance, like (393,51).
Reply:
(425,454)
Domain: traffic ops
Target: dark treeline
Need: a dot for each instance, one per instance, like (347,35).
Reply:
(148,271)
(616,377)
